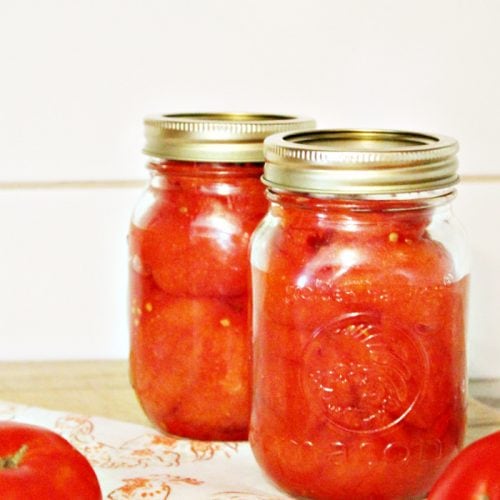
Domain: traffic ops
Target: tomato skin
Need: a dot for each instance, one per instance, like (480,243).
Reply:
(50,468)
(474,474)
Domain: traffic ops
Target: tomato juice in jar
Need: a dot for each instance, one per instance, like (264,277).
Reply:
(189,271)
(359,278)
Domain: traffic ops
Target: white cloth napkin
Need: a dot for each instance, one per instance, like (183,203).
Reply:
(136,462)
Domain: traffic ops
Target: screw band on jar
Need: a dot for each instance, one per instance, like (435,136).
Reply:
(360,162)
(215,137)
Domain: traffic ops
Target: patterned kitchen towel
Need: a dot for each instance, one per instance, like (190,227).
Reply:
(136,462)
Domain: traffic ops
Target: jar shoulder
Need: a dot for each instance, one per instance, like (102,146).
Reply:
(430,250)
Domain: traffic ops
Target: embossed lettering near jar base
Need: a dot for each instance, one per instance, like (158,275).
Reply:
(379,450)
(359,279)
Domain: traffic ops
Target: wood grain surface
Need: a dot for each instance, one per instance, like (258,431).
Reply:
(102,388)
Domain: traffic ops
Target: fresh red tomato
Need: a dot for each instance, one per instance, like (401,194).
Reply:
(473,475)
(38,463)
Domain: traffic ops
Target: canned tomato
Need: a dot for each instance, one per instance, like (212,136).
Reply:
(359,274)
(190,346)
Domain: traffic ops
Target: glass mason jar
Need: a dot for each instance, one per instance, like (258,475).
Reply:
(359,276)
(189,271)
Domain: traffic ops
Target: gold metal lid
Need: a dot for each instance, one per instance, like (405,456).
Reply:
(215,137)
(361,162)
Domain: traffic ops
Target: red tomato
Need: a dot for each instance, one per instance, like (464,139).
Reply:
(200,256)
(473,475)
(38,463)
(362,218)
(200,348)
(193,240)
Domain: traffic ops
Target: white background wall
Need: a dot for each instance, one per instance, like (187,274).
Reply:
(77,77)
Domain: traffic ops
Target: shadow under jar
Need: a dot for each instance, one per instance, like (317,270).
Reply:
(189,270)
(359,276)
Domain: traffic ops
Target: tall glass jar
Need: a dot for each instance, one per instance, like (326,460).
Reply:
(190,347)
(359,275)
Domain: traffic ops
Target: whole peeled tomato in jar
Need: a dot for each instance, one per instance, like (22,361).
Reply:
(189,271)
(359,277)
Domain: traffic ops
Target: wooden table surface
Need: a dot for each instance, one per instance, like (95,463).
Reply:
(102,388)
